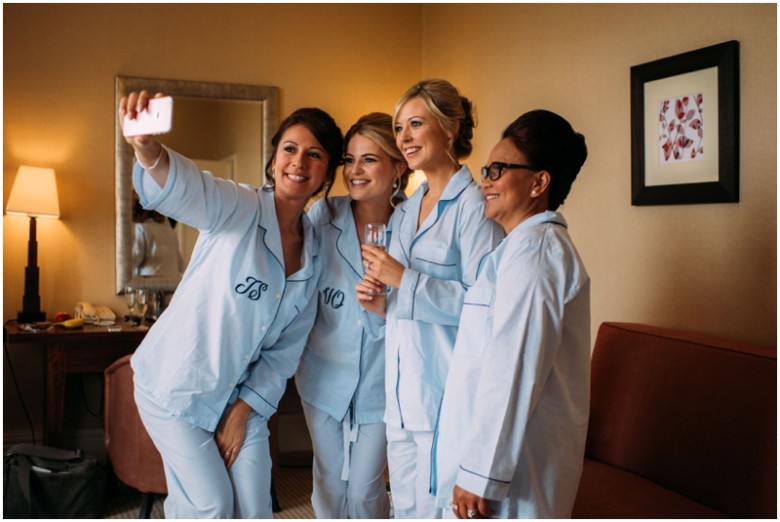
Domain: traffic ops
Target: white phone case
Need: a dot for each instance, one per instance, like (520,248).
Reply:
(156,119)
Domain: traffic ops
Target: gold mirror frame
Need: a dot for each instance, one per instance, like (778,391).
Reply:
(267,96)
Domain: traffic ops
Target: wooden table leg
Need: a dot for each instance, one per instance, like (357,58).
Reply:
(56,364)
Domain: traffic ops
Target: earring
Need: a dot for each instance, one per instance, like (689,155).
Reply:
(396,189)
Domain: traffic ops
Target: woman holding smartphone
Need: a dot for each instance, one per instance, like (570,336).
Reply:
(439,237)
(211,370)
(341,376)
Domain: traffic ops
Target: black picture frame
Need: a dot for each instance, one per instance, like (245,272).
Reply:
(714,178)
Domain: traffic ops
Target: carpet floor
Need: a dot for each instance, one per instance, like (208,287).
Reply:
(293,488)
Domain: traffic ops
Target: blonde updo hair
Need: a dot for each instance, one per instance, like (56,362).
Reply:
(454,112)
(378,127)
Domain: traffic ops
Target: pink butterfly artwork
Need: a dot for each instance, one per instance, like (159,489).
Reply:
(681,129)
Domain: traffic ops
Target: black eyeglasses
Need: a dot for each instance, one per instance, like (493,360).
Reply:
(496,169)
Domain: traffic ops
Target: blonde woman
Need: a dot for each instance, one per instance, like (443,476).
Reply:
(341,377)
(439,237)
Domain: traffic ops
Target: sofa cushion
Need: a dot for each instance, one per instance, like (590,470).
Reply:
(609,492)
(692,413)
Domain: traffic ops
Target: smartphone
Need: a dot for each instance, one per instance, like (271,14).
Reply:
(156,119)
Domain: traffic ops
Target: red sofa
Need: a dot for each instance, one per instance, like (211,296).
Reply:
(682,425)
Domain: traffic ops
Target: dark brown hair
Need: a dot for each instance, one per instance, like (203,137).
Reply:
(550,143)
(324,128)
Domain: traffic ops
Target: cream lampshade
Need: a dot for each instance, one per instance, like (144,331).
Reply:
(33,194)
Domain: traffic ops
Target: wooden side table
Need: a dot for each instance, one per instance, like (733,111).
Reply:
(87,349)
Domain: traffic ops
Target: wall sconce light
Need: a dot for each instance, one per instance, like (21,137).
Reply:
(33,194)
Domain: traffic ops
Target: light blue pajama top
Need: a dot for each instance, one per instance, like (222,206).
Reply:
(441,259)
(236,325)
(515,413)
(344,360)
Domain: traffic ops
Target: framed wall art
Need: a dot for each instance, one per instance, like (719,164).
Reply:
(685,128)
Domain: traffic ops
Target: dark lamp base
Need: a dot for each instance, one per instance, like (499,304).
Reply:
(30,317)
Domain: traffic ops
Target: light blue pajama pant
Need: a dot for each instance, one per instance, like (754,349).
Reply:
(409,463)
(348,472)
(199,483)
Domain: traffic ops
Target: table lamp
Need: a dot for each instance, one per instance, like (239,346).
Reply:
(33,194)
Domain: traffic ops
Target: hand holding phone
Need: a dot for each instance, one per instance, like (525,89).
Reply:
(156,119)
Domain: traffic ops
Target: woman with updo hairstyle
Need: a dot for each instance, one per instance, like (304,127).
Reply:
(341,375)
(211,370)
(514,417)
(455,113)
(439,235)
(545,139)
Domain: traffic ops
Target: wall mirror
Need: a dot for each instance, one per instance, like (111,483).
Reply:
(225,128)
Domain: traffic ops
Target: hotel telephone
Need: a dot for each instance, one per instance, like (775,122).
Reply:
(99,315)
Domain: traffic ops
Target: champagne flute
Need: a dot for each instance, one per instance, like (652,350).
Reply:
(142,300)
(375,234)
(130,298)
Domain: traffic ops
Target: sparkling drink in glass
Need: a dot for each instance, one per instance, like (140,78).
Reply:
(375,234)
(130,298)
(142,301)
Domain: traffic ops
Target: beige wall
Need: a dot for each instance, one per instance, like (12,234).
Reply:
(708,268)
(58,100)
(60,62)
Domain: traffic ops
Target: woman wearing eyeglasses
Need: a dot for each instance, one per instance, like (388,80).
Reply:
(514,417)
(439,237)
